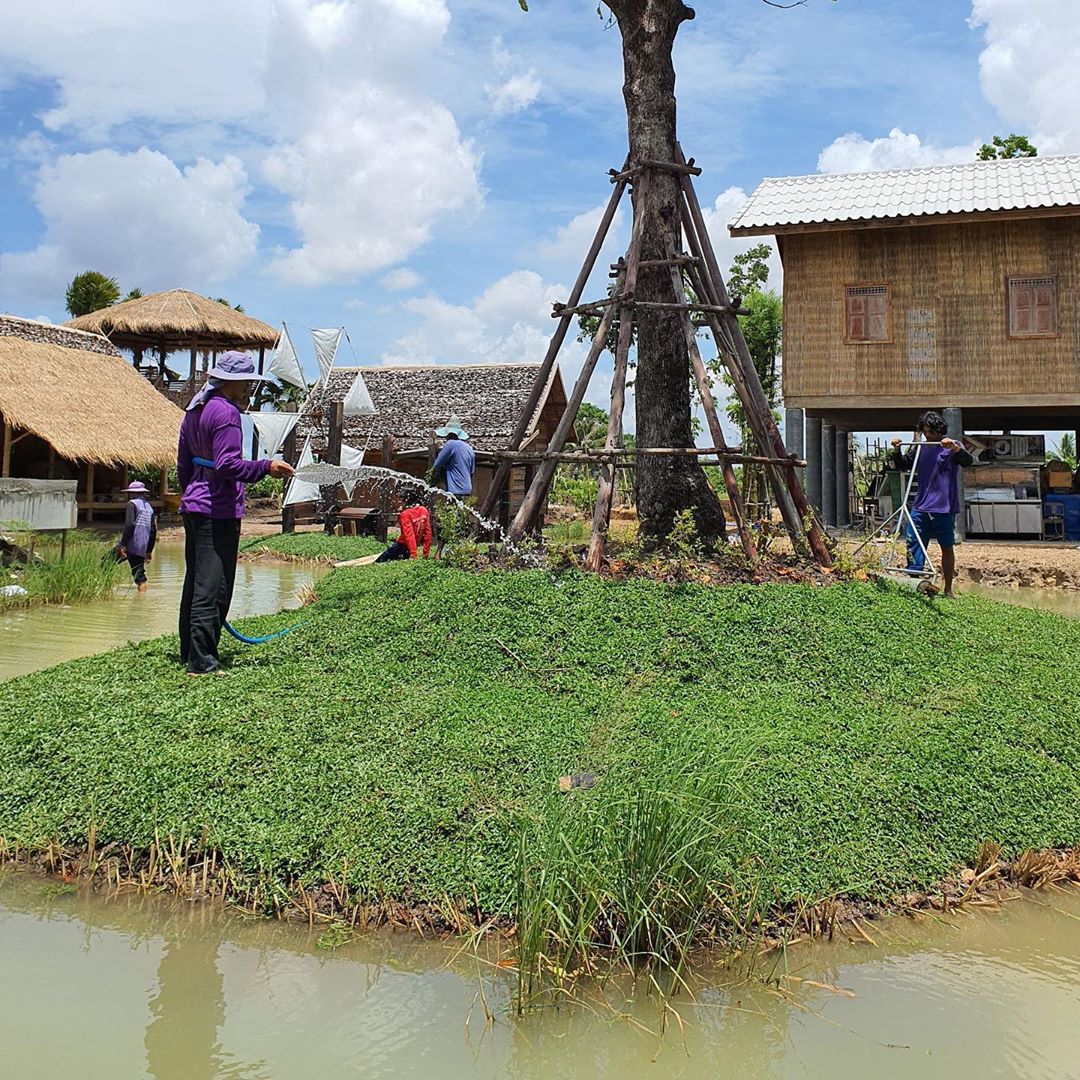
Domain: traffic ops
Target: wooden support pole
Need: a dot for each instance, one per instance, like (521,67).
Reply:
(701,379)
(543,376)
(687,168)
(288,513)
(89,491)
(256,405)
(605,487)
(5,461)
(386,460)
(534,496)
(163,482)
(796,511)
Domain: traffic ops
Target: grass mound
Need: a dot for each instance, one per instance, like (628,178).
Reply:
(86,572)
(312,546)
(409,739)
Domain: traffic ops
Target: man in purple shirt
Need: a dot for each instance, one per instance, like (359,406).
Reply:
(937,502)
(213,472)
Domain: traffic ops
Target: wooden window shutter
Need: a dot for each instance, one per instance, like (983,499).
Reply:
(867,313)
(1033,308)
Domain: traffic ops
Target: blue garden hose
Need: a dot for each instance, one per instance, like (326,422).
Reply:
(267,637)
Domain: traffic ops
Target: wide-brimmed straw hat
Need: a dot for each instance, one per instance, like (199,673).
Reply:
(136,487)
(453,427)
(236,367)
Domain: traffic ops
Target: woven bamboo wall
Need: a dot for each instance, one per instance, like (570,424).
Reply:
(949,326)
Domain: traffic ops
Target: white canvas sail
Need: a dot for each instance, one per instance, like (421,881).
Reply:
(326,347)
(300,491)
(273,428)
(351,458)
(358,401)
(284,363)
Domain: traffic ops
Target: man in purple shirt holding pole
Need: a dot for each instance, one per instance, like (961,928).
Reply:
(213,472)
(937,502)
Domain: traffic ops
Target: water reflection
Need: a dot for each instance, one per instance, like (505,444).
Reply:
(144,987)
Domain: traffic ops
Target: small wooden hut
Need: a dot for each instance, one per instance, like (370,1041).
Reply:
(72,408)
(411,402)
(177,321)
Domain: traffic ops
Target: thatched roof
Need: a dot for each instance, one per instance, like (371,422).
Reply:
(76,392)
(413,401)
(175,320)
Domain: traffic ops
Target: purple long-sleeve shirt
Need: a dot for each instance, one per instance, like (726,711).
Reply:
(213,431)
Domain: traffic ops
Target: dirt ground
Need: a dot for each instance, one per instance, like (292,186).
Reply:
(1032,564)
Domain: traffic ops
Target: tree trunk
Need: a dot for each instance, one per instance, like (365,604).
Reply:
(662,381)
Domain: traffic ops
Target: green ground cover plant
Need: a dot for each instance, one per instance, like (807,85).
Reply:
(789,743)
(313,546)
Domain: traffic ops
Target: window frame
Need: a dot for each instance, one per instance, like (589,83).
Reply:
(888,339)
(1034,335)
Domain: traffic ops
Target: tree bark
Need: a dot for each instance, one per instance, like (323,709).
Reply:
(662,381)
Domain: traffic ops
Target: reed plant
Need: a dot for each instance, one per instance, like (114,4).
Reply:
(85,571)
(628,876)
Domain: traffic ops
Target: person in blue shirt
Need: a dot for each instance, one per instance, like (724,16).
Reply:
(456,461)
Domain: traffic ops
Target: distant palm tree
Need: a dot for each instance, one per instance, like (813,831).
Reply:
(91,291)
(235,307)
(134,294)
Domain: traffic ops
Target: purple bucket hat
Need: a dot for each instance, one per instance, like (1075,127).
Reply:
(136,487)
(236,367)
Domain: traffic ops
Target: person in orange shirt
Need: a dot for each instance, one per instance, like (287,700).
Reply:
(414,524)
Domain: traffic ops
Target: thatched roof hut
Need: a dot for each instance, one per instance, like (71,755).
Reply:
(70,403)
(411,402)
(177,320)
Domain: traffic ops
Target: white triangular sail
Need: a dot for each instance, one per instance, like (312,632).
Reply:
(326,347)
(351,458)
(273,428)
(300,491)
(358,401)
(284,363)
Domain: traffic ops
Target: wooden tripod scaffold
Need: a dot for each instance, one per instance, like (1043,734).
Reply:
(697,288)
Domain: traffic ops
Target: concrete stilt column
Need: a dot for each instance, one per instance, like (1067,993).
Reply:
(843,508)
(954,422)
(813,461)
(828,472)
(793,431)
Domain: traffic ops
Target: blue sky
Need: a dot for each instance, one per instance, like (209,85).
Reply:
(428,172)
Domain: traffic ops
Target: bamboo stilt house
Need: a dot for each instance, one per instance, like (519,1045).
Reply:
(72,408)
(177,321)
(954,288)
(411,402)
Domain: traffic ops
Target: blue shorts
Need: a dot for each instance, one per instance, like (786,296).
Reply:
(939,527)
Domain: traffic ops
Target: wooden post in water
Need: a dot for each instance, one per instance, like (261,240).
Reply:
(89,491)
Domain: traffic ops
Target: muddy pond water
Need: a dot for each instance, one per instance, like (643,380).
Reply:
(38,637)
(139,986)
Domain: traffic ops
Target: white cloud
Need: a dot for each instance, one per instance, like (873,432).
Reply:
(509,322)
(1029,70)
(400,279)
(570,244)
(368,162)
(898,150)
(136,217)
(517,88)
(724,208)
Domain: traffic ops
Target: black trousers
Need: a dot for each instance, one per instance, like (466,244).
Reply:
(138,568)
(396,550)
(210,549)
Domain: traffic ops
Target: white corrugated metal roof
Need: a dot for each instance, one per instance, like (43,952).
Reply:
(1016,184)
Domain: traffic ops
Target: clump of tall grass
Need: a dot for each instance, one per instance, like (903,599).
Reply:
(86,572)
(632,876)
